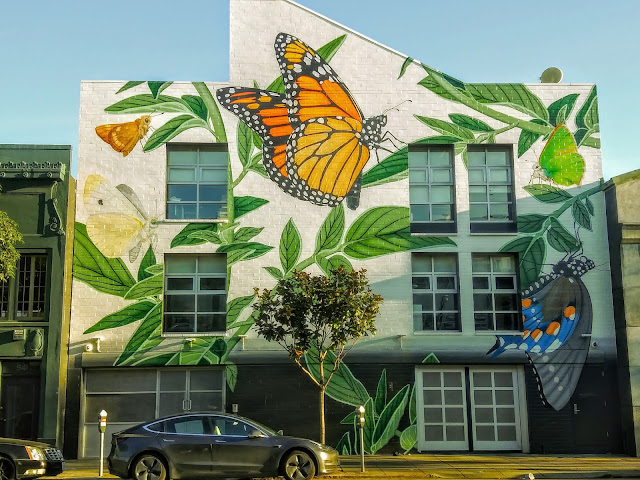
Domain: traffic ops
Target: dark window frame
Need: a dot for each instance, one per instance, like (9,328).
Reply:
(14,307)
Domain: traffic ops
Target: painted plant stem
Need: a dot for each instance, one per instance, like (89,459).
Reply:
(489,112)
(587,193)
(214,112)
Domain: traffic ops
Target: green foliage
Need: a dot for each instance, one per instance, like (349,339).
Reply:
(9,237)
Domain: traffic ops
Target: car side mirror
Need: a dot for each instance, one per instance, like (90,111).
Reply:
(280,432)
(257,434)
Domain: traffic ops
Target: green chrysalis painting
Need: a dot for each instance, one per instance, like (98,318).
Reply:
(560,160)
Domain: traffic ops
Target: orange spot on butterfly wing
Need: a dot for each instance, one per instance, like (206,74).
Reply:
(242,94)
(553,328)
(308,83)
(536,335)
(244,100)
(526,303)
(273,121)
(341,98)
(570,312)
(282,131)
(273,112)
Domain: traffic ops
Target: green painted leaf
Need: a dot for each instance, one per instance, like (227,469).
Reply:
(348,420)
(219,347)
(149,287)
(149,104)
(581,214)
(332,263)
(290,246)
(184,238)
(531,252)
(244,205)
(548,193)
(246,233)
(381,392)
(159,360)
(148,260)
(207,236)
(327,52)
(252,249)
(407,61)
(409,437)
(413,405)
(560,239)
(530,222)
(245,143)
(369,426)
(587,116)
(171,129)
(155,269)
(236,306)
(125,316)
(514,95)
(560,160)
(392,168)
(528,138)
(274,272)
(344,445)
(383,230)
(343,387)
(197,106)
(470,123)
(565,102)
(437,140)
(430,83)
(562,115)
(259,169)
(157,87)
(231,372)
(147,335)
(129,85)
(331,230)
(589,206)
(446,128)
(257,141)
(390,419)
(90,266)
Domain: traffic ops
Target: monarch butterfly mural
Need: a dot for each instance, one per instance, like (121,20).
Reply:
(557,317)
(315,138)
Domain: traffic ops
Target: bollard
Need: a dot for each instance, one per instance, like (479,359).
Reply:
(102,426)
(361,411)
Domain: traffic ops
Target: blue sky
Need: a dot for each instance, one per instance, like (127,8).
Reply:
(48,47)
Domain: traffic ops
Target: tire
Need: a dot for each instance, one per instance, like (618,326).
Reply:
(7,470)
(298,465)
(148,467)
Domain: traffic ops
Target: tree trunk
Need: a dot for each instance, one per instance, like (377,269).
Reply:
(322,432)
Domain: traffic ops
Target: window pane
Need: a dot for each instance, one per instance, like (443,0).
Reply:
(213,158)
(179,303)
(432,397)
(446,283)
(505,283)
(478,212)
(444,263)
(497,158)
(476,175)
(503,379)
(418,194)
(484,415)
(441,175)
(441,194)
(211,323)
(215,263)
(182,193)
(481,263)
(421,263)
(211,210)
(507,321)
(483,397)
(454,415)
(504,397)
(475,158)
(179,284)
(173,380)
(183,210)
(213,193)
(431,379)
(418,158)
(212,303)
(477,194)
(421,283)
(499,193)
(452,379)
(499,212)
(446,301)
(180,264)
(481,283)
(419,176)
(182,175)
(212,283)
(423,321)
(423,300)
(439,158)
(447,321)
(190,425)
(441,213)
(505,301)
(503,263)
(419,213)
(506,433)
(178,323)
(501,175)
(112,381)
(433,415)
(483,321)
(506,415)
(482,379)
(182,157)
(121,408)
(482,301)
(485,433)
(434,432)
(208,380)
(452,397)
(455,433)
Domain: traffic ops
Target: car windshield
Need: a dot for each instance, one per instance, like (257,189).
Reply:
(266,429)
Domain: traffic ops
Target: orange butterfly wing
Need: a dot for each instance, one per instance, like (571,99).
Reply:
(123,137)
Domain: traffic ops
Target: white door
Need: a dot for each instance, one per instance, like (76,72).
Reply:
(442,409)
(495,408)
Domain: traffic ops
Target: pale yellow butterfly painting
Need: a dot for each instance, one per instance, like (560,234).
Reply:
(118,222)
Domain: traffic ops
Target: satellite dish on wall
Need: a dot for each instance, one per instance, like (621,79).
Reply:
(551,75)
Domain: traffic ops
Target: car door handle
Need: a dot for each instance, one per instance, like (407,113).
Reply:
(220,441)
(167,440)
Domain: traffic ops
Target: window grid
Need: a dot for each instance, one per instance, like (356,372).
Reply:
(490,185)
(31,287)
(4,299)
(435,293)
(431,188)
(196,182)
(495,294)
(195,301)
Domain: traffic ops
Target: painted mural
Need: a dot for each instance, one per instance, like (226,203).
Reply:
(306,133)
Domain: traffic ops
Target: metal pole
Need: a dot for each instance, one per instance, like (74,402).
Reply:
(361,447)
(101,454)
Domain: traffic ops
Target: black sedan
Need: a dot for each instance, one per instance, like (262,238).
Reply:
(27,459)
(214,445)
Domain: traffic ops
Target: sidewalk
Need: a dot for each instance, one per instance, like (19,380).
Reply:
(421,466)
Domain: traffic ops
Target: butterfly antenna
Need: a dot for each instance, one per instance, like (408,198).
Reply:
(396,107)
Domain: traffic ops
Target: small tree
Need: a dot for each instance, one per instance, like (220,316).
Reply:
(319,314)
(9,236)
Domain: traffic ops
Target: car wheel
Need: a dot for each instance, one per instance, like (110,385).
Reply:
(298,465)
(7,472)
(149,467)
